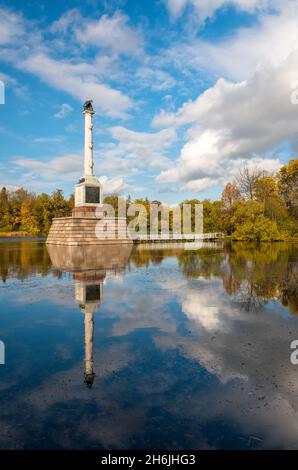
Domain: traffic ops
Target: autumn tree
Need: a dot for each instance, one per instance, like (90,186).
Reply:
(288,185)
(61,207)
(212,211)
(246,181)
(252,225)
(5,218)
(230,195)
(28,220)
(44,212)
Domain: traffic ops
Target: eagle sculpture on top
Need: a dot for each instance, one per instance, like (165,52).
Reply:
(88,105)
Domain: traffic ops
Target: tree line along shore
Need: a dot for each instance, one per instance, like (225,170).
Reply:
(254,206)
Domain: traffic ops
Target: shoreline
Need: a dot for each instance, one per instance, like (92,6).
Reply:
(6,236)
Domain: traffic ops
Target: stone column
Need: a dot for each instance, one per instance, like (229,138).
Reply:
(88,150)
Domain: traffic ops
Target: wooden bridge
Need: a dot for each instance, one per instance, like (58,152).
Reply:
(177,237)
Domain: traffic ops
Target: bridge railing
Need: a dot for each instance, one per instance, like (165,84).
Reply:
(177,236)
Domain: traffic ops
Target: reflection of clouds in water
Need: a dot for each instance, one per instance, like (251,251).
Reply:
(104,420)
(209,307)
(132,309)
(252,349)
(61,294)
(114,278)
(253,384)
(203,301)
(248,353)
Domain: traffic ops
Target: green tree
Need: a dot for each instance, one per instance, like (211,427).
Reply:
(5,217)
(266,192)
(28,220)
(44,213)
(288,185)
(60,206)
(213,216)
(251,224)
(229,197)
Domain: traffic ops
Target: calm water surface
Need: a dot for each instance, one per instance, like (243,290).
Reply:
(155,348)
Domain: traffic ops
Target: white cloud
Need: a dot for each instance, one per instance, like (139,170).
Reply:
(7,78)
(156,79)
(82,78)
(11,27)
(270,41)
(229,124)
(13,84)
(65,109)
(176,7)
(80,81)
(142,148)
(233,123)
(65,168)
(59,168)
(47,140)
(133,153)
(115,186)
(66,22)
(112,32)
(207,8)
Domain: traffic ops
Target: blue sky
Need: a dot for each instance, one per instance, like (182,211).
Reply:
(186,92)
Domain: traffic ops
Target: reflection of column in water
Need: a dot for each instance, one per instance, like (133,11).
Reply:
(88,289)
(89,265)
(89,328)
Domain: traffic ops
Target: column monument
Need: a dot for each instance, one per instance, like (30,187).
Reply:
(89,224)
(88,194)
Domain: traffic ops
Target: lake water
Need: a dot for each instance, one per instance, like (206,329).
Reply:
(156,348)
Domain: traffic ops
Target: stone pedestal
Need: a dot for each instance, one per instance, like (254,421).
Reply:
(88,212)
(88,192)
(75,231)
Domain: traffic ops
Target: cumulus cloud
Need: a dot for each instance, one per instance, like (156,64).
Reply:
(80,81)
(135,151)
(237,120)
(64,167)
(115,186)
(81,78)
(112,32)
(11,27)
(146,147)
(233,123)
(236,57)
(207,8)
(130,154)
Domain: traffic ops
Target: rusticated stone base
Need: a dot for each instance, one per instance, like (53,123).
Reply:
(77,231)
(89,212)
